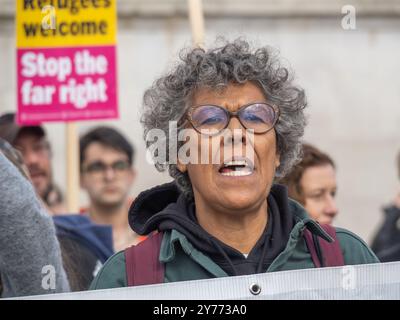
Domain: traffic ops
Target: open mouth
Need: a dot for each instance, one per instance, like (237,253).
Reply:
(237,168)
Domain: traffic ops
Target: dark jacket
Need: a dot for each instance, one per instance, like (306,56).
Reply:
(190,253)
(386,244)
(85,247)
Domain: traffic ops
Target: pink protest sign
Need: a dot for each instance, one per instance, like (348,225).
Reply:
(66,61)
(66,84)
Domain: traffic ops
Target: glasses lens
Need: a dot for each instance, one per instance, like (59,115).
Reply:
(258,117)
(209,118)
(96,167)
(120,165)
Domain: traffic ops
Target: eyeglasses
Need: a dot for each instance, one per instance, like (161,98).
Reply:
(99,167)
(211,119)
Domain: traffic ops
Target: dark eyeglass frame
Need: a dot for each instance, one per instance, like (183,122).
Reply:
(231,114)
(104,167)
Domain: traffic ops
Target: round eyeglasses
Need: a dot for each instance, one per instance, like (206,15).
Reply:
(211,119)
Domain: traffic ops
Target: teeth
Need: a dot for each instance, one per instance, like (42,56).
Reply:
(236,163)
(237,168)
(240,173)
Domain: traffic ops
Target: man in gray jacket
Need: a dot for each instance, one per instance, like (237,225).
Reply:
(30,258)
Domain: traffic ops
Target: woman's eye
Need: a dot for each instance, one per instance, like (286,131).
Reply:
(317,196)
(211,120)
(253,118)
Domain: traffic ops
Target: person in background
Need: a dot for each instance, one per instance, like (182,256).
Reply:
(30,255)
(32,143)
(312,182)
(85,246)
(107,174)
(386,243)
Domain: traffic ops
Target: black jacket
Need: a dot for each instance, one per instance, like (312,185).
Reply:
(172,210)
(386,244)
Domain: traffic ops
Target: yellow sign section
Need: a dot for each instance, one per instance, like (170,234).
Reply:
(60,23)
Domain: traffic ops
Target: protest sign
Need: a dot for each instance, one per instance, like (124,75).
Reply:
(66,60)
(66,69)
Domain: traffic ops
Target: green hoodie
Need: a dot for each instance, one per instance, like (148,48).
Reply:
(183,261)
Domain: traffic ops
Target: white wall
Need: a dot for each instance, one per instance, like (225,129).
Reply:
(351,79)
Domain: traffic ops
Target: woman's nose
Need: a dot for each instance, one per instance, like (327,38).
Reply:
(235,132)
(331,206)
(234,123)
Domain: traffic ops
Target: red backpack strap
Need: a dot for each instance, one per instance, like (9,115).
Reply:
(324,253)
(142,262)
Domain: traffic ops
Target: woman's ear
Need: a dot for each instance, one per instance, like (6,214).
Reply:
(181,167)
(277,160)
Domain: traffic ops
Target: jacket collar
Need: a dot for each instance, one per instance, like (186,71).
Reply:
(304,221)
(173,240)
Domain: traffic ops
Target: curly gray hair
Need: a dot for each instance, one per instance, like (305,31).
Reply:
(169,97)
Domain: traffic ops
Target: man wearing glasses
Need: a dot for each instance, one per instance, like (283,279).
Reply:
(107,174)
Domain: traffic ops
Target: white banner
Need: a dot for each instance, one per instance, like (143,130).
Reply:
(374,281)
